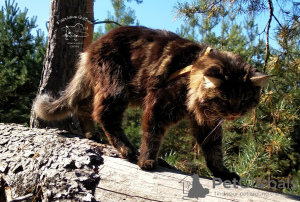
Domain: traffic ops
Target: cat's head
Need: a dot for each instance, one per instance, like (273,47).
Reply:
(223,86)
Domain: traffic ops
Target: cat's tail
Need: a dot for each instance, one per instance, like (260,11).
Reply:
(49,109)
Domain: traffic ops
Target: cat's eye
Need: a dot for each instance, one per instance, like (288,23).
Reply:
(223,97)
(246,99)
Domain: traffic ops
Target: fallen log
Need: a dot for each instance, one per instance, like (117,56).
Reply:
(53,165)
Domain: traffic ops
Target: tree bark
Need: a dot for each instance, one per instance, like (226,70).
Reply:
(47,165)
(65,42)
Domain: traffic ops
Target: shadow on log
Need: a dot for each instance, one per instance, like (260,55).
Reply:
(52,165)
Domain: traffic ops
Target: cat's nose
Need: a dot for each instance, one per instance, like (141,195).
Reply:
(233,116)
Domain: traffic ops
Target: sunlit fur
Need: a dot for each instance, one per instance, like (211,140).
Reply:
(132,66)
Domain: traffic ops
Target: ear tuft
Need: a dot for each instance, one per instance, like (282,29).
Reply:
(259,79)
(211,82)
(208,51)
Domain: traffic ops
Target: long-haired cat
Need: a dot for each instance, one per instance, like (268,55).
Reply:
(169,78)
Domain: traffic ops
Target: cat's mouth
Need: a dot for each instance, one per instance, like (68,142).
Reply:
(232,117)
(223,115)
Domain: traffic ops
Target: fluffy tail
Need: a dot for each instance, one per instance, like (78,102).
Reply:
(49,109)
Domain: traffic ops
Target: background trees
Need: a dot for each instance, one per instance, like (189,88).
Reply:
(122,16)
(21,60)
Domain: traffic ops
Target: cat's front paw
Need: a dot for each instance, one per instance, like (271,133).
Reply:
(227,176)
(96,136)
(128,153)
(146,164)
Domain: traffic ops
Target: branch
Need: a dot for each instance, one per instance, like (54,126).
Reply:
(187,9)
(213,4)
(267,34)
(107,21)
(277,21)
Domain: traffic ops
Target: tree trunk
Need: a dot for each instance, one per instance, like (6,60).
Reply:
(70,30)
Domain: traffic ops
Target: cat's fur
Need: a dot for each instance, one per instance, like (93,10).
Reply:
(132,66)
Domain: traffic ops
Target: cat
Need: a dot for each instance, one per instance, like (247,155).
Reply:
(169,78)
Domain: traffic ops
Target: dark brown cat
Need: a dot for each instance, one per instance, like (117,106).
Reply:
(169,78)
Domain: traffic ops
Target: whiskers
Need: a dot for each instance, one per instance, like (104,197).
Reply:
(217,126)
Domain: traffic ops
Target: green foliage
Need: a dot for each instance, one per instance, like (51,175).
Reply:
(132,125)
(171,157)
(21,59)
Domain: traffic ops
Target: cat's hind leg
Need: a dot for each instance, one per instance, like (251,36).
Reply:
(88,128)
(86,121)
(108,110)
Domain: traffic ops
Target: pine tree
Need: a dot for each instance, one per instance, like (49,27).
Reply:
(21,61)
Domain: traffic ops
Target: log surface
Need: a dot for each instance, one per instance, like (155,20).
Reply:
(124,181)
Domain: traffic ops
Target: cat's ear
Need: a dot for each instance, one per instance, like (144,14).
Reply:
(208,51)
(259,79)
(211,82)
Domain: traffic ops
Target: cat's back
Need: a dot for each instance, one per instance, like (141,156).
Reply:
(132,33)
(140,54)
(128,37)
